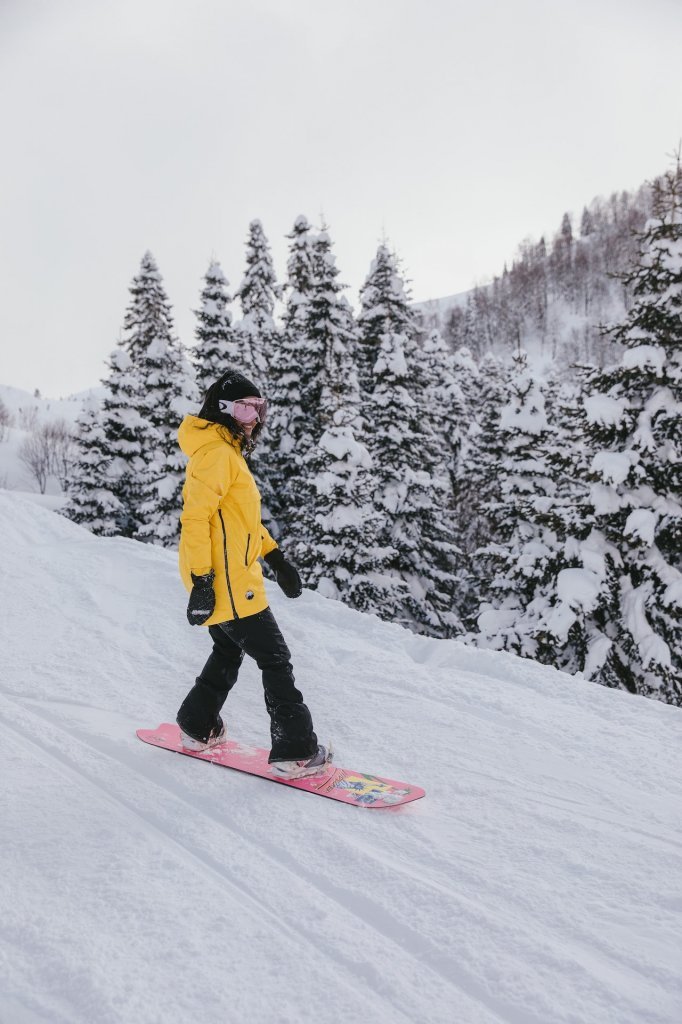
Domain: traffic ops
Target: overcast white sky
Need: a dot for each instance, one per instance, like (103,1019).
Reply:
(455,128)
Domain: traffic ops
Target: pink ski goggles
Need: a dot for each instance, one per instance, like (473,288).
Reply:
(246,410)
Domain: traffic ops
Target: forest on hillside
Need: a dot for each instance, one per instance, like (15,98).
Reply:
(434,472)
(559,292)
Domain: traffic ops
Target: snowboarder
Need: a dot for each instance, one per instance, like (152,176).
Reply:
(221,540)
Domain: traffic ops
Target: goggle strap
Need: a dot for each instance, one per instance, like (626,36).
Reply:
(258,405)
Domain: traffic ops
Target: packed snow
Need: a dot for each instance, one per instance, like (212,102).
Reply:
(538,881)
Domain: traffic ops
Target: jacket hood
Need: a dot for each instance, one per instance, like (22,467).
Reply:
(194,433)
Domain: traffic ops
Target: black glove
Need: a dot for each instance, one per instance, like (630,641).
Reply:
(202,599)
(287,578)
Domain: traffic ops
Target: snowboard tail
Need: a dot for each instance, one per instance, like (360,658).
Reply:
(342,784)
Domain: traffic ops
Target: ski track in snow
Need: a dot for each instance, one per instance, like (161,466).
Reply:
(538,882)
(199,856)
(86,768)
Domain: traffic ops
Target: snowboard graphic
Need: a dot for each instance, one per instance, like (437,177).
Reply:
(336,783)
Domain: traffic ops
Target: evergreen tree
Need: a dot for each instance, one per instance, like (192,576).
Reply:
(453,329)
(287,421)
(389,358)
(91,498)
(562,251)
(444,400)
(300,270)
(258,293)
(568,522)
(337,525)
(586,223)
(340,554)
(477,478)
(384,309)
(126,434)
(329,318)
(467,379)
(470,329)
(437,425)
(405,489)
(148,321)
(165,393)
(624,602)
(217,345)
(395,478)
(521,550)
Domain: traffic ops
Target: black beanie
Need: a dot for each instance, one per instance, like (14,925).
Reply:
(230,387)
(233,385)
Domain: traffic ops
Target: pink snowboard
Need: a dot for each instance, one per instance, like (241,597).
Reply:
(336,783)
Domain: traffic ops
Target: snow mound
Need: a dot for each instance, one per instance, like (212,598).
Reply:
(538,881)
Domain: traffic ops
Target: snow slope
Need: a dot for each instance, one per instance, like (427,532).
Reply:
(26,409)
(539,881)
(23,406)
(440,307)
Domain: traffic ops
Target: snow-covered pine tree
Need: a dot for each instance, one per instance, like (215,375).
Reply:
(389,357)
(625,601)
(329,317)
(481,450)
(340,554)
(568,522)
(520,552)
(165,393)
(91,498)
(287,421)
(470,330)
(126,434)
(405,489)
(163,482)
(384,309)
(444,399)
(477,478)
(148,317)
(562,250)
(466,377)
(217,343)
(586,223)
(437,425)
(258,292)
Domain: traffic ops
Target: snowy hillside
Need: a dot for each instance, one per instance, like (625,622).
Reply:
(26,411)
(558,291)
(15,476)
(21,403)
(435,310)
(539,881)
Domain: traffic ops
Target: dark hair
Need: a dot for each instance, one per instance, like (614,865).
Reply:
(230,428)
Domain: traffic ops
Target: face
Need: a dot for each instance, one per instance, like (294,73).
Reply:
(248,427)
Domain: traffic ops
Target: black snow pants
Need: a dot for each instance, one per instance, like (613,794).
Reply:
(291,726)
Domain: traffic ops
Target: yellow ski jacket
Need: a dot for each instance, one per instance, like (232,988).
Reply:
(221,526)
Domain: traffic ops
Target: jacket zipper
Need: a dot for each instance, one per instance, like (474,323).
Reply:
(227,571)
(246,556)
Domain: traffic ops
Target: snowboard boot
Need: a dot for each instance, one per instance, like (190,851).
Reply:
(315,765)
(216,736)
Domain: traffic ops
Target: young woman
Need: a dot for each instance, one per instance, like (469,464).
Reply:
(221,541)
